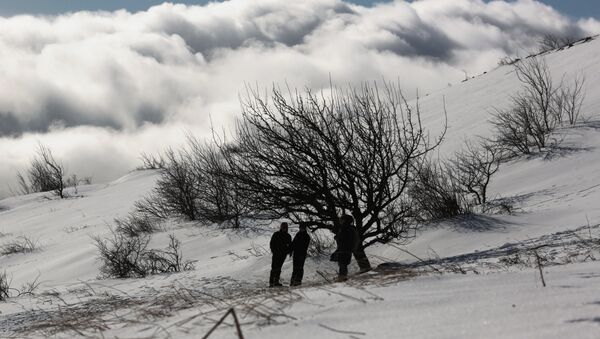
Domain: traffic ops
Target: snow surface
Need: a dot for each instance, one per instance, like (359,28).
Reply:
(552,193)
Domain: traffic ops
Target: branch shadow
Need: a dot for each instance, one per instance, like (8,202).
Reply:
(585,320)
(478,223)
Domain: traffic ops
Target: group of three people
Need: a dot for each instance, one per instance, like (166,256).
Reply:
(282,245)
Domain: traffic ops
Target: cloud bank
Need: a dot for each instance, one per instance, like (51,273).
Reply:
(101,87)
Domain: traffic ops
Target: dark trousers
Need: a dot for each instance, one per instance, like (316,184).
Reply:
(298,272)
(344,259)
(343,270)
(276,264)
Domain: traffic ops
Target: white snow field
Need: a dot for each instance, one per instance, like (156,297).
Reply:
(489,287)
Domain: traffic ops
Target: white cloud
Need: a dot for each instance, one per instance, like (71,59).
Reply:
(100,84)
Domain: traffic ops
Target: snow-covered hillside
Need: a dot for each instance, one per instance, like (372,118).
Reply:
(553,195)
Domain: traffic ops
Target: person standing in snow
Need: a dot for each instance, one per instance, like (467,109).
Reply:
(299,249)
(281,245)
(347,241)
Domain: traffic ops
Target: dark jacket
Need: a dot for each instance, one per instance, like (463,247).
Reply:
(347,239)
(300,245)
(347,243)
(281,243)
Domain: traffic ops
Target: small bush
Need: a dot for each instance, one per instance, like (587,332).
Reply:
(538,109)
(136,224)
(45,174)
(195,185)
(551,42)
(20,245)
(151,162)
(4,286)
(123,256)
(473,167)
(435,193)
(168,260)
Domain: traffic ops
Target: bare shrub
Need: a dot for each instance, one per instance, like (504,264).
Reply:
(176,190)
(21,244)
(194,184)
(151,161)
(129,257)
(311,157)
(569,100)
(507,61)
(122,256)
(4,286)
(473,167)
(45,174)
(136,224)
(168,260)
(220,202)
(536,111)
(74,181)
(436,194)
(552,41)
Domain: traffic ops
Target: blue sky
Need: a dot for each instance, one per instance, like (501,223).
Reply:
(579,8)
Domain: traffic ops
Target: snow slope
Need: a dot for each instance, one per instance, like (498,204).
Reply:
(552,194)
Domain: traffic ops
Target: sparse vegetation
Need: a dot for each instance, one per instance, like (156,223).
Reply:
(123,256)
(194,185)
(45,174)
(436,194)
(7,291)
(552,41)
(151,162)
(4,286)
(473,167)
(21,244)
(136,224)
(538,109)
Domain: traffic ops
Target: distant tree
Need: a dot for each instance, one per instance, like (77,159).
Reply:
(536,110)
(552,41)
(569,100)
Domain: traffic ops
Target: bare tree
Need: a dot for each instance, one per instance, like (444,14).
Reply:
(538,92)
(473,167)
(311,157)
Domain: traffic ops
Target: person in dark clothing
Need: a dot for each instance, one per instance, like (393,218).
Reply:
(299,249)
(347,240)
(281,246)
